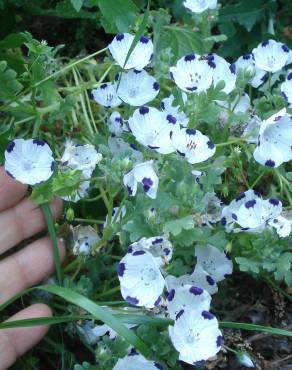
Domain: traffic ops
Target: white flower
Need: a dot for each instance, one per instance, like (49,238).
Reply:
(116,217)
(192,145)
(213,209)
(245,360)
(106,95)
(199,278)
(246,63)
(192,73)
(152,129)
(249,212)
(252,130)
(222,71)
(271,56)
(187,297)
(137,87)
(140,56)
(275,140)
(120,149)
(175,111)
(115,124)
(141,280)
(158,246)
(136,362)
(286,88)
(82,157)
(29,161)
(142,173)
(196,336)
(199,6)
(84,239)
(214,262)
(282,225)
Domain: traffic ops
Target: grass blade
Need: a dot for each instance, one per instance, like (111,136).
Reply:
(52,232)
(264,329)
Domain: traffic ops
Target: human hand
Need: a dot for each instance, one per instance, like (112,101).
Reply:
(21,219)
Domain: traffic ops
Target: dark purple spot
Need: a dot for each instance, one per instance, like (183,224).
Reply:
(130,190)
(130,249)
(136,71)
(156,86)
(211,63)
(120,36)
(158,366)
(207,315)
(178,315)
(171,119)
(144,39)
(157,241)
(121,269)
(10,147)
(170,295)
(284,95)
(246,56)
(223,221)
(244,228)
(143,110)
(10,174)
(241,196)
(227,256)
(276,119)
(162,106)
(274,202)
(232,68)
(138,253)
(234,216)
(166,251)
(250,203)
(132,300)
(289,77)
(151,57)
(210,145)
(181,153)
(157,302)
(147,183)
(194,88)
(38,142)
(210,280)
(199,363)
(285,48)
(191,131)
(117,76)
(189,58)
(53,166)
(103,86)
(270,163)
(153,147)
(195,290)
(265,43)
(133,352)
(219,341)
(171,75)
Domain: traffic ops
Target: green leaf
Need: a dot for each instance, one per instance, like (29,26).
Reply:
(77,4)
(99,313)
(11,41)
(8,82)
(119,14)
(175,227)
(264,329)
(42,193)
(65,184)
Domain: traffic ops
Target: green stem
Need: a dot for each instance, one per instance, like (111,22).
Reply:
(89,220)
(108,292)
(257,180)
(277,288)
(52,232)
(239,140)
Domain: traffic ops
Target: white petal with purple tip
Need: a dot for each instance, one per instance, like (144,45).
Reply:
(271,56)
(106,95)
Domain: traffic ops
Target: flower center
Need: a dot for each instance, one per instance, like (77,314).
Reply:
(148,275)
(28,165)
(192,337)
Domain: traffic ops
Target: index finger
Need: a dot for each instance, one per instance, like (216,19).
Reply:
(11,191)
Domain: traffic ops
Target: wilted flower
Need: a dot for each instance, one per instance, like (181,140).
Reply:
(140,56)
(271,56)
(192,145)
(29,161)
(141,280)
(245,360)
(137,87)
(214,262)
(247,63)
(199,6)
(115,124)
(252,129)
(196,336)
(84,239)
(213,209)
(121,149)
(106,95)
(275,140)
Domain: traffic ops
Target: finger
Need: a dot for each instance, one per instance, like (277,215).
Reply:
(23,221)
(29,266)
(15,342)
(11,191)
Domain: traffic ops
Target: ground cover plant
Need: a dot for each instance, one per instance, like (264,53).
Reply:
(170,145)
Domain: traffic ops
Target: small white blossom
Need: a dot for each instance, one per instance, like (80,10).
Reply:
(106,95)
(142,173)
(213,209)
(120,149)
(84,239)
(252,129)
(245,360)
(246,63)
(199,6)
(115,124)
(137,87)
(275,140)
(237,106)
(282,225)
(160,248)
(29,161)
(192,73)
(152,129)
(134,361)
(271,56)
(196,336)
(214,262)
(222,71)
(286,88)
(140,56)
(141,280)
(187,297)
(192,145)
(175,111)
(116,217)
